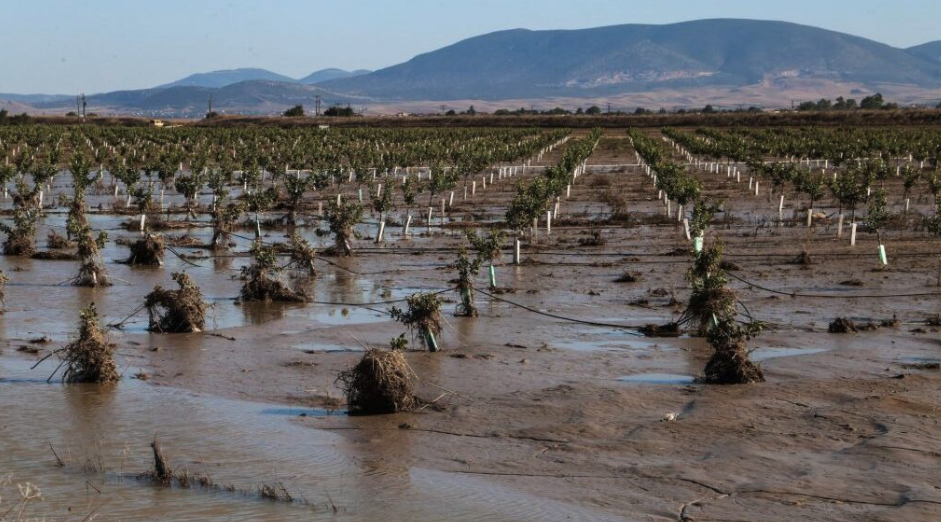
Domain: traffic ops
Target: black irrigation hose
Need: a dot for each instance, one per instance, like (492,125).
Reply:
(561,318)
(829,296)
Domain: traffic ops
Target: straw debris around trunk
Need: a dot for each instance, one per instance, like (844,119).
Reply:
(148,251)
(730,363)
(263,281)
(177,311)
(89,358)
(57,241)
(381,382)
(842,325)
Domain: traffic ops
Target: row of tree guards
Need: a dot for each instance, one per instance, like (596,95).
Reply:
(753,184)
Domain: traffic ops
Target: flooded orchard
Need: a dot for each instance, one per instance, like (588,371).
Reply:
(345,351)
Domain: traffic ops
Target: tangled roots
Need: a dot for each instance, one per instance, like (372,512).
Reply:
(730,365)
(842,325)
(264,288)
(147,251)
(91,274)
(381,382)
(89,358)
(177,311)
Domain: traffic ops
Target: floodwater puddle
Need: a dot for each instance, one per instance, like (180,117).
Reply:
(103,435)
(658,378)
(764,354)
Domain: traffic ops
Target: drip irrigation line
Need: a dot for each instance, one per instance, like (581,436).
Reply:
(829,296)
(187,261)
(126,319)
(567,319)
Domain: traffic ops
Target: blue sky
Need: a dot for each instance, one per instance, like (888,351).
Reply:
(68,46)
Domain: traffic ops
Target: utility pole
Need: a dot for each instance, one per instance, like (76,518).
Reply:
(84,107)
(209,114)
(78,105)
(317,105)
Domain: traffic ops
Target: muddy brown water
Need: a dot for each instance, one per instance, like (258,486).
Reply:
(537,423)
(237,443)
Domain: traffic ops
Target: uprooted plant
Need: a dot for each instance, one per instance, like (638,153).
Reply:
(714,306)
(90,358)
(730,363)
(381,382)
(423,318)
(342,217)
(177,311)
(147,251)
(710,297)
(263,278)
(21,237)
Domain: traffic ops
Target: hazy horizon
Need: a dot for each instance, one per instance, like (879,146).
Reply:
(65,47)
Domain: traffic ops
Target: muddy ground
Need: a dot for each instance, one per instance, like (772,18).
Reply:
(528,417)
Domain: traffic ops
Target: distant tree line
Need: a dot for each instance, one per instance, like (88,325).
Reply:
(19,119)
(869,103)
(594,110)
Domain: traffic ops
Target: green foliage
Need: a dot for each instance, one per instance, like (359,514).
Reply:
(878,214)
(423,316)
(399,343)
(488,247)
(411,188)
(341,219)
(382,203)
(295,112)
(701,217)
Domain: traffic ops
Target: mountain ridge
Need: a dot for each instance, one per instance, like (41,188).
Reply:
(632,57)
(736,60)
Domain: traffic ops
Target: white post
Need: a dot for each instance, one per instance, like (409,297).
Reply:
(382,229)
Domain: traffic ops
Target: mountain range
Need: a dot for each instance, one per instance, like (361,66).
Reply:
(729,59)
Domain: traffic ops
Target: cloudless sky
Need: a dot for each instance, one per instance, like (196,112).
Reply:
(69,46)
